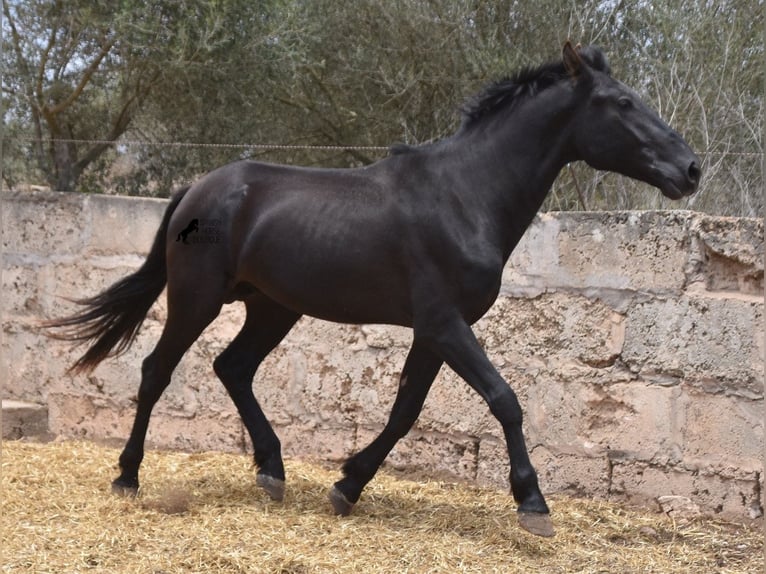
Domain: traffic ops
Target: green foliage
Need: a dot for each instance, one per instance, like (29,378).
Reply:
(362,73)
(81,72)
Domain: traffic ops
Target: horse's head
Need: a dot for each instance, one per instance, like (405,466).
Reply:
(616,131)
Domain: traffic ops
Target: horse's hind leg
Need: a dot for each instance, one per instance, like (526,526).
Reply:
(265,326)
(420,370)
(190,310)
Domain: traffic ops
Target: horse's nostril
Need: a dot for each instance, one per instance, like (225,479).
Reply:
(695,173)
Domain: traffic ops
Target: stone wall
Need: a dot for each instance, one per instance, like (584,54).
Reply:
(634,340)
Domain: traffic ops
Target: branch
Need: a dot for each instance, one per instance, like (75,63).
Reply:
(119,125)
(30,94)
(89,71)
(41,68)
(16,39)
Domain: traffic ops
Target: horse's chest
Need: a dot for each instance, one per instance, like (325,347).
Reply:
(479,285)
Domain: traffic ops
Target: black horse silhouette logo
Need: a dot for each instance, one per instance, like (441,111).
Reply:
(193,227)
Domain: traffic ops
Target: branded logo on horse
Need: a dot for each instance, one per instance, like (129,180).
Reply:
(201,231)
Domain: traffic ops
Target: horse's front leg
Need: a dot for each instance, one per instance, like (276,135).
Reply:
(454,341)
(418,374)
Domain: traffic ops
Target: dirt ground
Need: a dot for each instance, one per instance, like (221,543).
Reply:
(204,513)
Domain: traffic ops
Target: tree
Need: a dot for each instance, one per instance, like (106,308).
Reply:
(77,78)
(216,75)
(80,71)
(374,73)
(212,100)
(704,73)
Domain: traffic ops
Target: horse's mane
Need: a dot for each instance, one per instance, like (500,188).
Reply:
(524,84)
(510,91)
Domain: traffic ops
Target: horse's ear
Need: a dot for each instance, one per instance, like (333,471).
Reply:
(572,61)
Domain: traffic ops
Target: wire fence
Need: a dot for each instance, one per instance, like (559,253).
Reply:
(201,145)
(733,180)
(268,146)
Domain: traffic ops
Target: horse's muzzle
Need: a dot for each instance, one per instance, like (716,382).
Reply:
(693,177)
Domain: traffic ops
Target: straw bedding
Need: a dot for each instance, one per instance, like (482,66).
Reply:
(204,513)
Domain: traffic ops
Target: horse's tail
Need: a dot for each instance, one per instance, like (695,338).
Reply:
(112,318)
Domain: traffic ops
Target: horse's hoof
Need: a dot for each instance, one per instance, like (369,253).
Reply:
(340,504)
(274,487)
(125,490)
(537,524)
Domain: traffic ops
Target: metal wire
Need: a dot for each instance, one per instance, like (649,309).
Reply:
(264,146)
(129,143)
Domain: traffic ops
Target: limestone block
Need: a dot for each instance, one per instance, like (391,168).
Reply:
(634,251)
(533,266)
(453,407)
(557,471)
(573,474)
(25,362)
(435,455)
(679,507)
(638,483)
(732,499)
(207,431)
(314,391)
(327,372)
(638,420)
(439,455)
(194,387)
(539,346)
(316,442)
(565,327)
(722,434)
(641,251)
(116,378)
(22,419)
(73,415)
(73,280)
(44,224)
(492,465)
(730,254)
(635,418)
(98,418)
(275,388)
(711,340)
(123,225)
(386,336)
(23,289)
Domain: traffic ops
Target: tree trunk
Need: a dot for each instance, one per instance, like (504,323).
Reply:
(64,176)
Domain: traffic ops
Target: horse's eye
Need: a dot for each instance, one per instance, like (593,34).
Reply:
(625,103)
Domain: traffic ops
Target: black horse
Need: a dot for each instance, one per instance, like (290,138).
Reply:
(417,239)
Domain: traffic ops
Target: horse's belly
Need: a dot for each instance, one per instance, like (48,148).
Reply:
(346,290)
(339,303)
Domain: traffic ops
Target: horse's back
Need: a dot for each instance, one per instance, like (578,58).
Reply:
(305,237)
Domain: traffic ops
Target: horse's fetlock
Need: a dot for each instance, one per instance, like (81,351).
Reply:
(359,469)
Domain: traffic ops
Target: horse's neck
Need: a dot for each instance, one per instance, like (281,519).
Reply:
(511,164)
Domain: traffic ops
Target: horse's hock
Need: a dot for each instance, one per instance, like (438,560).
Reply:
(634,339)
